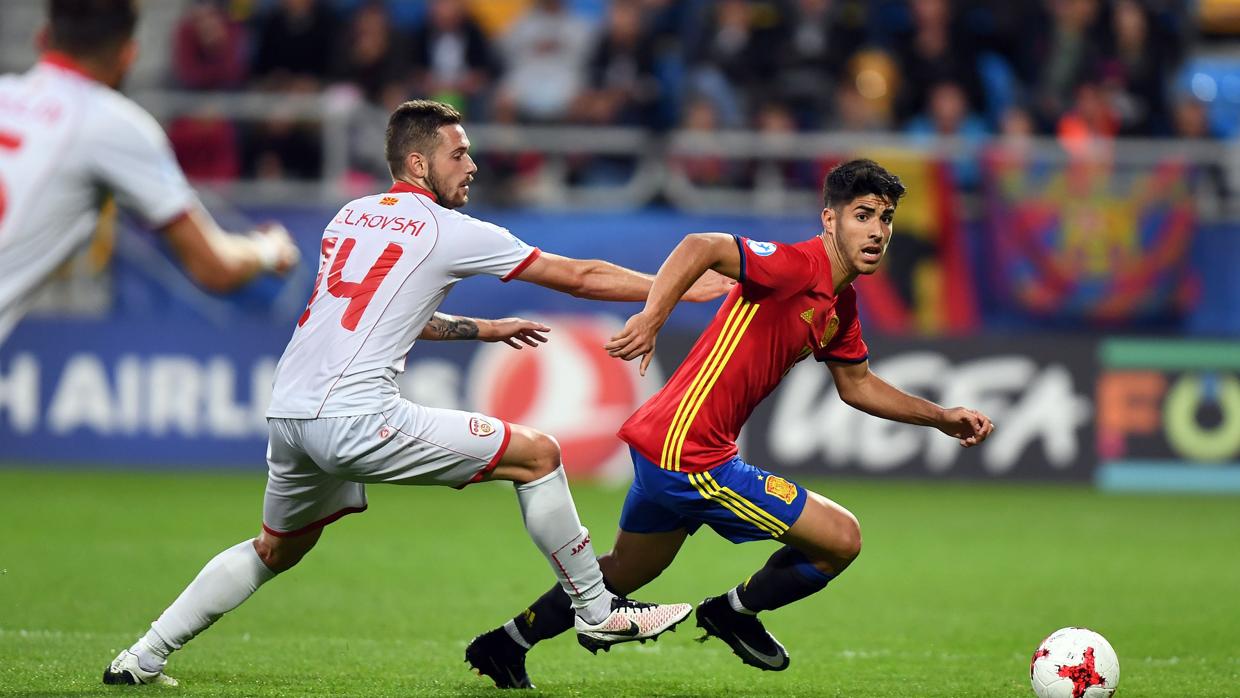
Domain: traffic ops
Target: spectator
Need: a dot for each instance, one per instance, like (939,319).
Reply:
(208,49)
(821,35)
(283,148)
(776,122)
(948,116)
(292,42)
(368,58)
(734,57)
(545,56)
(939,48)
(1139,70)
(1066,47)
(452,57)
(701,119)
(206,147)
(1191,119)
(1090,123)
(623,88)
(208,53)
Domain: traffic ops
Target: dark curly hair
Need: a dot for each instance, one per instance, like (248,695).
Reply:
(857,178)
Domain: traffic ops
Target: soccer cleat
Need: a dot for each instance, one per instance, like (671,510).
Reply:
(126,670)
(628,621)
(743,633)
(495,655)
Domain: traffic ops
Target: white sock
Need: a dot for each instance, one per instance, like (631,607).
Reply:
(734,600)
(227,580)
(552,521)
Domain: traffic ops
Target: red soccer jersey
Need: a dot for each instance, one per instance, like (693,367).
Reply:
(783,310)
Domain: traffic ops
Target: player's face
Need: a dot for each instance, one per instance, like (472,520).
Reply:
(450,169)
(862,230)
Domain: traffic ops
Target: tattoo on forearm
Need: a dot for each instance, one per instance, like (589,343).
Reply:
(448,327)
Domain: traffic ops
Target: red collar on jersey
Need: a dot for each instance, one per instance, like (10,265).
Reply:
(405,187)
(65,62)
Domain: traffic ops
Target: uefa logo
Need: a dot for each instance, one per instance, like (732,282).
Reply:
(568,388)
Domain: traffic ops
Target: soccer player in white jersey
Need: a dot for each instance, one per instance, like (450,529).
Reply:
(68,138)
(337,421)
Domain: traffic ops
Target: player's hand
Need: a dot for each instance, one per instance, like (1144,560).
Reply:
(969,426)
(514,332)
(636,339)
(709,286)
(276,248)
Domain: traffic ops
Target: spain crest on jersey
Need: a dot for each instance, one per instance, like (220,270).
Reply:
(780,488)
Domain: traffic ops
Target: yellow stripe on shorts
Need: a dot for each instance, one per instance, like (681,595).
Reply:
(743,508)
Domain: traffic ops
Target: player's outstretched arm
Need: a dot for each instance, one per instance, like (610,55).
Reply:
(512,331)
(860,388)
(603,281)
(697,254)
(220,261)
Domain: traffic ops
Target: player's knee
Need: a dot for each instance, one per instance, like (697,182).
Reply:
(544,456)
(848,544)
(277,555)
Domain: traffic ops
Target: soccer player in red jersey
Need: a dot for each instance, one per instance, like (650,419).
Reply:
(791,302)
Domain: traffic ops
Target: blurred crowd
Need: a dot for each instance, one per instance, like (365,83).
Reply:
(1071,69)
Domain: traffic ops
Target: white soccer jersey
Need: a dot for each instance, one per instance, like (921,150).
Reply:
(66,142)
(387,263)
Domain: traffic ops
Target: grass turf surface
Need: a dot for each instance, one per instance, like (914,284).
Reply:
(955,588)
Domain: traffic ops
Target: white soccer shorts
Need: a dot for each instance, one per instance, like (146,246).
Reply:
(318,468)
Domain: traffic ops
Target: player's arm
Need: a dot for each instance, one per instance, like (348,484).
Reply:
(860,388)
(603,281)
(695,255)
(220,261)
(509,330)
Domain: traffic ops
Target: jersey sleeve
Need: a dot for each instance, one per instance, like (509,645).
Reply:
(131,156)
(478,247)
(773,268)
(847,346)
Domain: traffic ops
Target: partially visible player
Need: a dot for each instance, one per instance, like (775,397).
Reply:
(68,140)
(791,302)
(336,418)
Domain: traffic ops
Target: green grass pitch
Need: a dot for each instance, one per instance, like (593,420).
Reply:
(955,588)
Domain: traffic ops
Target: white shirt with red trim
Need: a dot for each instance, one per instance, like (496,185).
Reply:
(66,142)
(387,261)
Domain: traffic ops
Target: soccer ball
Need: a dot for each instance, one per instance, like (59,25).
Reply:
(1074,663)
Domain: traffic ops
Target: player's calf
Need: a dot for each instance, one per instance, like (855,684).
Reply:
(788,576)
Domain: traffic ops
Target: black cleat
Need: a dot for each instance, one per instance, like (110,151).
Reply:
(497,656)
(743,633)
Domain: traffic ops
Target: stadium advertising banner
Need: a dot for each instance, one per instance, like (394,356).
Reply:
(1039,392)
(1169,415)
(186,394)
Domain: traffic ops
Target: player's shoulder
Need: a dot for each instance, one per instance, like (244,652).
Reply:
(113,116)
(465,225)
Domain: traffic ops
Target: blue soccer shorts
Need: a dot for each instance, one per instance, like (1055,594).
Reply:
(740,501)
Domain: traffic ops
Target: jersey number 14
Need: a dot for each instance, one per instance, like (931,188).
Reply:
(358,293)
